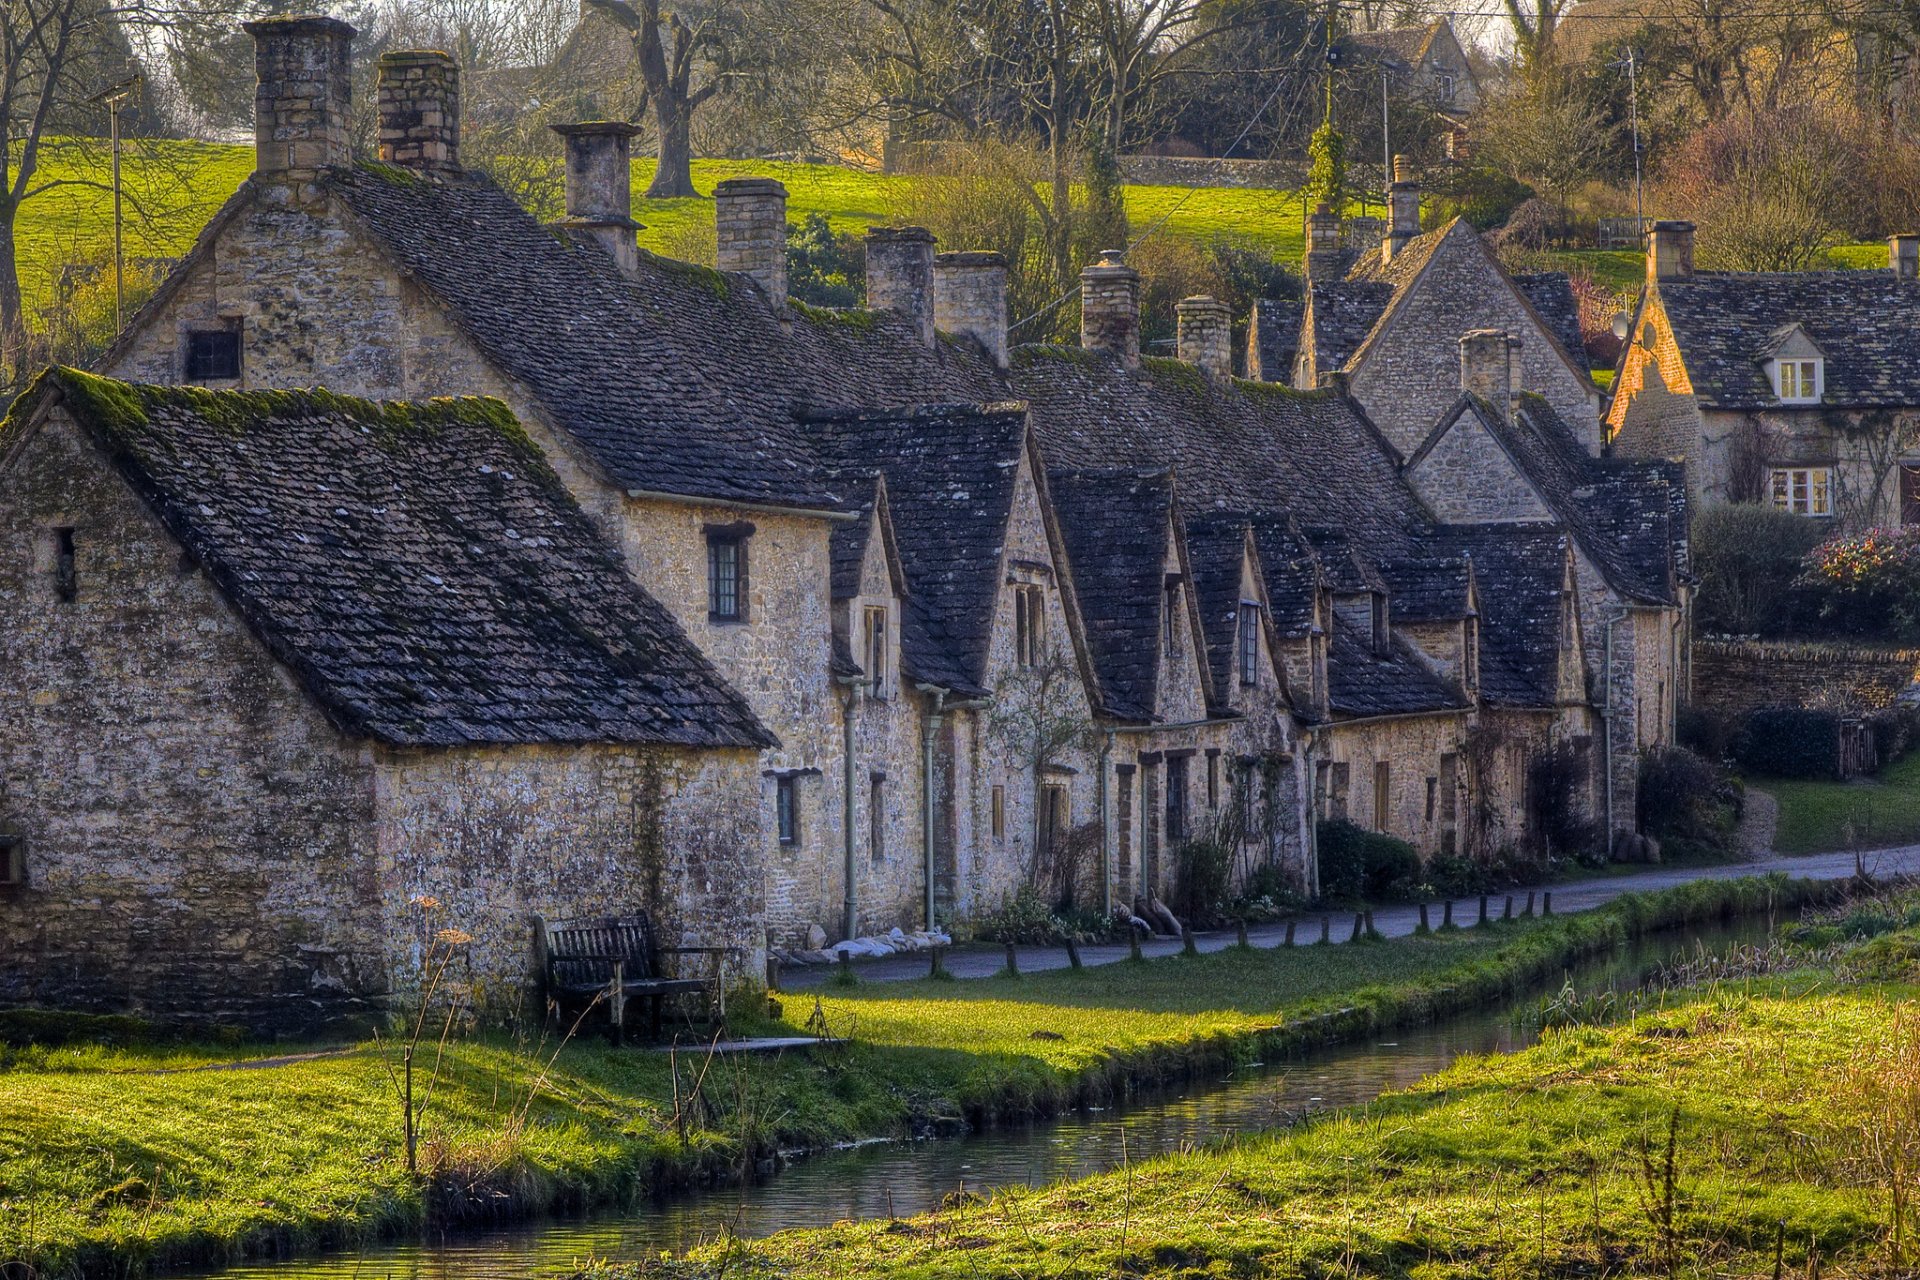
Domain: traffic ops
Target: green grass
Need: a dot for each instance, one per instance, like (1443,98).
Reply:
(1870,813)
(110,1158)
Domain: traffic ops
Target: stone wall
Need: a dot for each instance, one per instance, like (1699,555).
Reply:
(1412,748)
(1468,478)
(1733,676)
(1204,171)
(198,837)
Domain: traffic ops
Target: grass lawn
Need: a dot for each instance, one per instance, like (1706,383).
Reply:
(111,1158)
(1871,813)
(1775,1097)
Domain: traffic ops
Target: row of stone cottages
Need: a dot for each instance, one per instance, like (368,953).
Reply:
(762,617)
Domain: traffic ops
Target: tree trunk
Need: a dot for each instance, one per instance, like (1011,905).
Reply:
(13,327)
(674,176)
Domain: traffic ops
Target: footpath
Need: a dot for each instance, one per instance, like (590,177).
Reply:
(1397,921)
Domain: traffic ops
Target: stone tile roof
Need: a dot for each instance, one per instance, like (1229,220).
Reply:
(1274,338)
(1341,314)
(1405,45)
(1864,322)
(419,568)
(1551,294)
(1291,571)
(950,474)
(681,380)
(1429,589)
(1114,524)
(1363,683)
(1342,567)
(1216,547)
(1519,570)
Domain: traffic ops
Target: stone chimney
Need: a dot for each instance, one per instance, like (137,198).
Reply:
(1669,251)
(600,186)
(750,218)
(1323,244)
(419,94)
(1404,202)
(900,275)
(1516,377)
(301,102)
(1903,255)
(1110,307)
(1486,367)
(970,299)
(1206,334)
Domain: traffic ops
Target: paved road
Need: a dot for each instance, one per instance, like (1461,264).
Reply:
(1394,922)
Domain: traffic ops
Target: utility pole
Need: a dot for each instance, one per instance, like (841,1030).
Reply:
(116,98)
(1386,144)
(1631,62)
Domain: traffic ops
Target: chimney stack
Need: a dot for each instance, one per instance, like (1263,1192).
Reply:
(1206,334)
(1404,199)
(750,220)
(970,299)
(900,275)
(1903,255)
(419,95)
(1486,367)
(1323,244)
(1669,251)
(600,186)
(301,102)
(1110,307)
(1516,377)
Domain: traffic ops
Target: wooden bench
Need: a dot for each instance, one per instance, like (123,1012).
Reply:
(616,959)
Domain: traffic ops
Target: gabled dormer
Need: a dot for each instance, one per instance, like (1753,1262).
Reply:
(1796,365)
(869,593)
(1437,610)
(1299,611)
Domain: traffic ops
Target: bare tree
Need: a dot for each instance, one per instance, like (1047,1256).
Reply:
(672,49)
(1534,24)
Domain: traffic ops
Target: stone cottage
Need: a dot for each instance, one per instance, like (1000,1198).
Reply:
(1010,615)
(1425,66)
(280,665)
(1800,389)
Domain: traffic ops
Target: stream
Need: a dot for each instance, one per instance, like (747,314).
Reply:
(876,1179)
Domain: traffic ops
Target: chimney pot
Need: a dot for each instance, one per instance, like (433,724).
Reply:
(750,222)
(303,95)
(1404,205)
(1903,255)
(1206,334)
(970,299)
(600,186)
(419,96)
(1486,367)
(1669,251)
(900,275)
(1324,260)
(1110,307)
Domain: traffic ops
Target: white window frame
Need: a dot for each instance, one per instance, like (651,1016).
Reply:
(1805,491)
(1800,381)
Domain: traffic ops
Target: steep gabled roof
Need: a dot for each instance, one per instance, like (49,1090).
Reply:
(1218,546)
(1115,526)
(951,472)
(1864,321)
(1340,314)
(1293,573)
(419,568)
(1520,570)
(1430,588)
(1273,338)
(865,498)
(1551,294)
(1362,683)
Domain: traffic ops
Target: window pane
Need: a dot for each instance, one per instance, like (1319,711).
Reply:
(723,578)
(1818,502)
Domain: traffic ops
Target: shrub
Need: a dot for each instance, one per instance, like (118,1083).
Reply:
(1868,584)
(1689,805)
(1895,731)
(1749,559)
(1202,878)
(1556,791)
(1025,916)
(1268,894)
(1357,863)
(1789,742)
(1707,734)
(1453,876)
(1485,197)
(825,269)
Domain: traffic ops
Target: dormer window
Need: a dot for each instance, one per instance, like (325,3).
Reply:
(877,651)
(1249,643)
(1029,625)
(1799,381)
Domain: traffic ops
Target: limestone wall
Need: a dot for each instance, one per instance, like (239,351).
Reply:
(1206,171)
(1411,748)
(1733,676)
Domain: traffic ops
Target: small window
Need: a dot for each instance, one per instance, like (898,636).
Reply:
(1213,779)
(877,815)
(1249,643)
(999,816)
(1382,795)
(1805,491)
(726,577)
(877,651)
(1176,798)
(213,355)
(1054,819)
(786,806)
(13,865)
(1170,614)
(1470,653)
(1443,87)
(1433,792)
(66,567)
(1029,625)
(1798,381)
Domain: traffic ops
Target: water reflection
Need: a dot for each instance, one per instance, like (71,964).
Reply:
(876,1180)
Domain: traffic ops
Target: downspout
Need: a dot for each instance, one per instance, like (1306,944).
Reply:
(926,791)
(852,911)
(1106,841)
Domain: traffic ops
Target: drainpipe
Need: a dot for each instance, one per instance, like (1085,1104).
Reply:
(934,716)
(1606,724)
(853,688)
(1310,800)
(1106,844)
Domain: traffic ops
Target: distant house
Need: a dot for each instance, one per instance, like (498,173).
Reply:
(279,665)
(1425,66)
(1800,389)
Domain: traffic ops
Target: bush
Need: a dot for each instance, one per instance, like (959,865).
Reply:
(1868,584)
(1453,876)
(1689,805)
(1789,742)
(1556,793)
(1485,197)
(1895,731)
(825,268)
(1708,734)
(1268,894)
(1025,916)
(1749,559)
(1357,863)
(1202,879)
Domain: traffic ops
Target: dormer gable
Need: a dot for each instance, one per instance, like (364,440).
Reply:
(1465,473)
(1796,365)
(1183,690)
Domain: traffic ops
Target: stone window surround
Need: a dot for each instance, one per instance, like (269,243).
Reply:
(789,810)
(736,535)
(878,652)
(227,326)
(1790,380)
(1249,644)
(1029,624)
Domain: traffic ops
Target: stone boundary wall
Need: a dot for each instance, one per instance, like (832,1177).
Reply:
(1202,171)
(1733,676)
